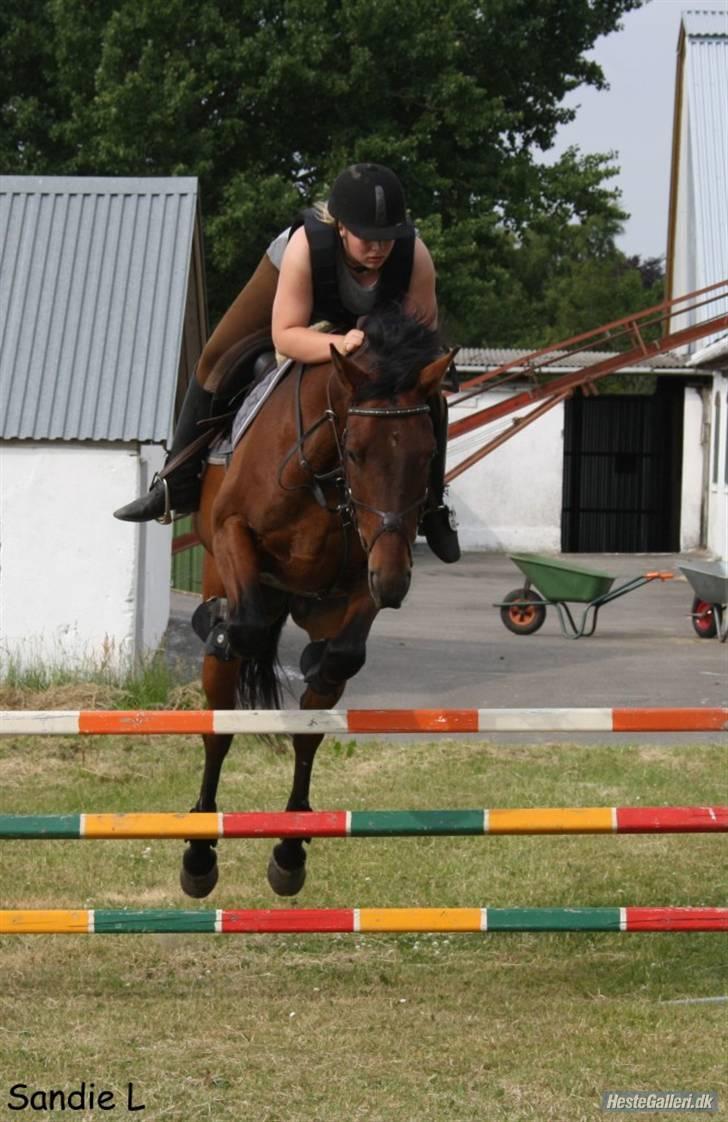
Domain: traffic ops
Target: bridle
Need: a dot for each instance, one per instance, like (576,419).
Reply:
(391,521)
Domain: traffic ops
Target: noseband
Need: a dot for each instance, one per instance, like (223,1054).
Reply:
(391,521)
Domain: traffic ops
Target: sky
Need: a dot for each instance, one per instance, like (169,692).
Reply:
(634,116)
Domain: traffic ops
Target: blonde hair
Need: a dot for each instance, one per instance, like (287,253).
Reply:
(321,210)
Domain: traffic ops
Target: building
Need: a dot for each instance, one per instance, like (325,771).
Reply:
(697,250)
(613,473)
(102,318)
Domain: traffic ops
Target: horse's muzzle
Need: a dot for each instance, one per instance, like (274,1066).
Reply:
(389,588)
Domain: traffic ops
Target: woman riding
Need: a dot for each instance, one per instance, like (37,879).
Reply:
(335,265)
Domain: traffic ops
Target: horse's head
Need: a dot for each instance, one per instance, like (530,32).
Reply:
(386,447)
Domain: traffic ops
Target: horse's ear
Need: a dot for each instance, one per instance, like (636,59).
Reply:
(350,375)
(432,375)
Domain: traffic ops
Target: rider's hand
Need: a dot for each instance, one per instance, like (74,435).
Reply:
(353,339)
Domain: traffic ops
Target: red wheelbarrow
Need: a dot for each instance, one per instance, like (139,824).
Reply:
(709,581)
(555,582)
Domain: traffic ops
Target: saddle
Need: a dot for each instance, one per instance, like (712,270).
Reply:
(240,369)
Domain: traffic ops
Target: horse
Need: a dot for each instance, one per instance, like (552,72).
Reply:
(314,518)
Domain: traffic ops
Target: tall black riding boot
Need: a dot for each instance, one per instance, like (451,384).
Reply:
(179,490)
(438,521)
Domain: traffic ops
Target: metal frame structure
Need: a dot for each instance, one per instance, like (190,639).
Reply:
(551,393)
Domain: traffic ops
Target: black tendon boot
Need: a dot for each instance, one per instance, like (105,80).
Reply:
(438,523)
(180,490)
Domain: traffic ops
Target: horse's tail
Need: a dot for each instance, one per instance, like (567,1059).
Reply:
(259,681)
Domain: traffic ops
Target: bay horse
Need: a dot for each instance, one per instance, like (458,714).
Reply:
(315,518)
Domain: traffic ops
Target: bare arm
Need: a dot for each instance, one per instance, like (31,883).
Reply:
(293,306)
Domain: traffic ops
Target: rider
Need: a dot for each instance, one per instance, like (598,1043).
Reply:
(337,263)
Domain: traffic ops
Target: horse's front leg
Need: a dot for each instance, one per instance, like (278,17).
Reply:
(327,663)
(199,871)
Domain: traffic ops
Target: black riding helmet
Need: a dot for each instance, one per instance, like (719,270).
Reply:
(368,199)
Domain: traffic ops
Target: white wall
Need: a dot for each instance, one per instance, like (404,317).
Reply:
(511,500)
(77,587)
(718,477)
(695,451)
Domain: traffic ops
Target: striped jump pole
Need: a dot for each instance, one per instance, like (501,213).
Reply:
(357,721)
(359,920)
(372,823)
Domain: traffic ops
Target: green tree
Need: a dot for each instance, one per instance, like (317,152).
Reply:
(265,100)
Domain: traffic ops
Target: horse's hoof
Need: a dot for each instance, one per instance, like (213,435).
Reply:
(201,883)
(285,882)
(198,886)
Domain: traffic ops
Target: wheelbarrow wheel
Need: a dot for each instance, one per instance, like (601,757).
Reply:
(704,619)
(523,611)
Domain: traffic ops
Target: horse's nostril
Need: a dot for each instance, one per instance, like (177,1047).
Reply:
(388,593)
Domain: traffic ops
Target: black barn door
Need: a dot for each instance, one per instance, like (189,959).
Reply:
(622,472)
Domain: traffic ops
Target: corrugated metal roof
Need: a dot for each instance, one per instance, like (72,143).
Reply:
(93,287)
(486,358)
(697,23)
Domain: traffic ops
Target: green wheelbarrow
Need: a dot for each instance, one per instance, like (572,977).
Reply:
(551,583)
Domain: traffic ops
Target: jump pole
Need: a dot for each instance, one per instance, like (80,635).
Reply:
(360,920)
(358,721)
(370,823)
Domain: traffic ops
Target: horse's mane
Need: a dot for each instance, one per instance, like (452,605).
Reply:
(401,347)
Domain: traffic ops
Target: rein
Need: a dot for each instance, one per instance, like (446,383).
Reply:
(336,475)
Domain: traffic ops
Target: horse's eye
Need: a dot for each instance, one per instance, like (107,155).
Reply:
(353,456)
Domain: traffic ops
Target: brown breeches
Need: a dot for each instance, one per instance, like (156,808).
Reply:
(250,311)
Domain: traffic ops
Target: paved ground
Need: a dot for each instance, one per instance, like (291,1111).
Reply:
(447,646)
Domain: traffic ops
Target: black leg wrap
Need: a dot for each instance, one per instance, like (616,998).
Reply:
(319,683)
(312,657)
(209,623)
(325,666)
(348,660)
(218,643)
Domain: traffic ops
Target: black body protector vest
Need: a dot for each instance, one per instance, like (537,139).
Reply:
(323,243)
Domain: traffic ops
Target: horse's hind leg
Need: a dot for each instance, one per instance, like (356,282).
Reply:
(199,871)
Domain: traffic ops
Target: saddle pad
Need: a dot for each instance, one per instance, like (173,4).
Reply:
(248,411)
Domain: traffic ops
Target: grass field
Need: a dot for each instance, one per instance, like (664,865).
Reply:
(353,1027)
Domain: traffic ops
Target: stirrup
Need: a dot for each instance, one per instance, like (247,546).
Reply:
(166,518)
